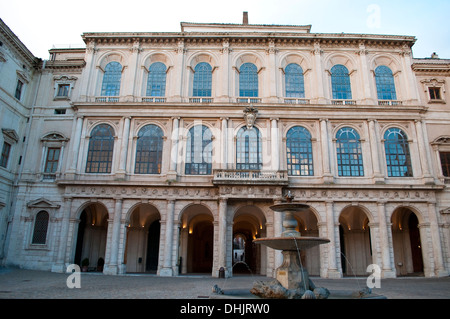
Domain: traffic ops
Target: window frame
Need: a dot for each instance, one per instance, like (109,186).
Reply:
(340,77)
(248,80)
(385,83)
(156,80)
(244,153)
(112,79)
(407,164)
(156,136)
(5,154)
(294,78)
(95,166)
(302,141)
(347,159)
(42,233)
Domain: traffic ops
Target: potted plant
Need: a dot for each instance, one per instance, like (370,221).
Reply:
(85,264)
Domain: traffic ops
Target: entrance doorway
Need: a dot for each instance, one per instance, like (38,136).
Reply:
(407,243)
(91,237)
(142,245)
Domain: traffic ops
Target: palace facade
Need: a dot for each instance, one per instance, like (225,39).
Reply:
(163,152)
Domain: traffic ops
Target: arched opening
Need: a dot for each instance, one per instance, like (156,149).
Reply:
(91,237)
(248,224)
(307,226)
(355,240)
(196,240)
(142,245)
(406,241)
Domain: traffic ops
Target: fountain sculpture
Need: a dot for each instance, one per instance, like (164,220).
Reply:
(292,280)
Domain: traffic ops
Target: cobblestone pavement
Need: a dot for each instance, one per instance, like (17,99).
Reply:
(30,284)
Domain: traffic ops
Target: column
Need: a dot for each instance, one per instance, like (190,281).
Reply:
(333,271)
(124,146)
(179,72)
(366,80)
(327,177)
(277,230)
(60,262)
(223,235)
(275,146)
(386,269)
(76,145)
(428,179)
(224,143)
(168,240)
(224,93)
(378,177)
(112,268)
(439,268)
(172,174)
(317,52)
(272,74)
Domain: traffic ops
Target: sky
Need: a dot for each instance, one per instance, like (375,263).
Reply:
(44,24)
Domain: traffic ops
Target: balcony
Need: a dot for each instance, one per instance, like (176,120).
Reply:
(252,177)
(107,99)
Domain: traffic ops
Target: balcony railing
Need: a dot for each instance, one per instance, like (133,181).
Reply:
(201,100)
(106,99)
(343,102)
(153,99)
(252,100)
(389,102)
(230,176)
(296,101)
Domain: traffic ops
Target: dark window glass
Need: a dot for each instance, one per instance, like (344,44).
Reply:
(340,83)
(40,228)
(445,163)
(100,152)
(248,149)
(202,80)
(149,147)
(5,154)
(156,81)
(349,154)
(299,152)
(18,92)
(398,158)
(199,151)
(51,164)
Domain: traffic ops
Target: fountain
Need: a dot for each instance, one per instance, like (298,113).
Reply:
(292,280)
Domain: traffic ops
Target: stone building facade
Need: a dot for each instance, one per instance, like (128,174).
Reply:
(163,152)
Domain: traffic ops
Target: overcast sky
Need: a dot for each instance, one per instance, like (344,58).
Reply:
(41,24)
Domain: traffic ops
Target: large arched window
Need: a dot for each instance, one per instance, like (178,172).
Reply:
(111,79)
(385,83)
(349,154)
(294,81)
(202,79)
(248,80)
(149,147)
(40,228)
(100,152)
(248,149)
(299,152)
(398,158)
(199,151)
(340,83)
(156,81)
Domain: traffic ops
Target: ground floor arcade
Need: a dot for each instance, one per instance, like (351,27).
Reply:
(171,231)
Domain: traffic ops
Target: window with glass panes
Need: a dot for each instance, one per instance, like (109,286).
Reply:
(202,80)
(149,147)
(5,154)
(51,163)
(445,163)
(398,158)
(199,151)
(248,80)
(248,149)
(40,228)
(156,80)
(299,152)
(340,83)
(294,81)
(100,152)
(349,154)
(111,79)
(385,83)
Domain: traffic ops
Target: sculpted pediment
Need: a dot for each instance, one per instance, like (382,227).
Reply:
(42,203)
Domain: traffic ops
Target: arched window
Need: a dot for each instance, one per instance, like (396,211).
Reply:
(111,79)
(295,86)
(340,83)
(40,228)
(202,80)
(398,158)
(299,152)
(149,147)
(199,151)
(385,83)
(100,152)
(248,80)
(248,149)
(156,81)
(349,154)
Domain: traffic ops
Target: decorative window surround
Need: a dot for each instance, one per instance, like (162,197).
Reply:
(434,83)
(64,80)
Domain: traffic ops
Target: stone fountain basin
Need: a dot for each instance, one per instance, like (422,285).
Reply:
(291,243)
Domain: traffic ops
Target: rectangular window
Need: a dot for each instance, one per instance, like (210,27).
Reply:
(435,93)
(19,87)
(63,90)
(445,163)
(5,155)
(51,164)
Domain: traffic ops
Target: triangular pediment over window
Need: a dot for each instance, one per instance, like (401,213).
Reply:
(42,203)
(10,134)
(445,211)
